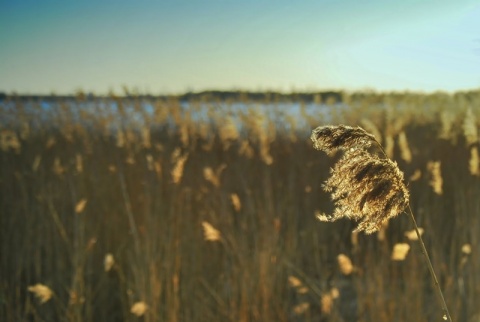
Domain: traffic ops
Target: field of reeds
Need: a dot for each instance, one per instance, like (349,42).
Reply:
(143,209)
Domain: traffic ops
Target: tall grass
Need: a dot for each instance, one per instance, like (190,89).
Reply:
(165,214)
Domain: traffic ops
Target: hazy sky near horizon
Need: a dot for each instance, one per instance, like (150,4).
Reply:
(174,46)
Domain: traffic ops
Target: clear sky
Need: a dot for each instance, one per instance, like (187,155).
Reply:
(174,46)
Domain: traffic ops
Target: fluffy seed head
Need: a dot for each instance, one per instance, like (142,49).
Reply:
(363,186)
(341,137)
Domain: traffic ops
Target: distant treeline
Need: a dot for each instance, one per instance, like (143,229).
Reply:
(319,97)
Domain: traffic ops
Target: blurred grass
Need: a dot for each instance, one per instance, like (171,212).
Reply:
(81,179)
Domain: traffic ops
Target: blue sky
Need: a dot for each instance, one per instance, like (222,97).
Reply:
(175,46)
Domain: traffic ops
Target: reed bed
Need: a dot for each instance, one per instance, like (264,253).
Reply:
(125,209)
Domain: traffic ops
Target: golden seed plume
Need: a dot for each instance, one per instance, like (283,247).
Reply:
(436,181)
(363,186)
(9,140)
(214,176)
(345,264)
(42,292)
(341,137)
(474,162)
(294,281)
(80,206)
(400,251)
(301,308)
(412,234)
(467,249)
(405,152)
(177,171)
(108,262)
(79,163)
(139,308)
(470,128)
(210,233)
(416,175)
(57,168)
(326,303)
(237,205)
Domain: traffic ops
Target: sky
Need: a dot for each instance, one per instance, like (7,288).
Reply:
(167,47)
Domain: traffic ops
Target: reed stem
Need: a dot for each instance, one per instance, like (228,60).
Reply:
(446,314)
(438,290)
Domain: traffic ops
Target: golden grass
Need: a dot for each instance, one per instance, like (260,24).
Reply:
(137,183)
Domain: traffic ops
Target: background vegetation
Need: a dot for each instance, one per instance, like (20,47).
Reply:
(136,208)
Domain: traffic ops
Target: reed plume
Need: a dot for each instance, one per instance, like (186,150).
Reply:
(366,187)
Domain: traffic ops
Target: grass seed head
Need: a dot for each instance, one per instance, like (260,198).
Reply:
(42,292)
(341,137)
(363,186)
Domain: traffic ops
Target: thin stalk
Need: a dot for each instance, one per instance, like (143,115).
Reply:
(438,290)
(446,314)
